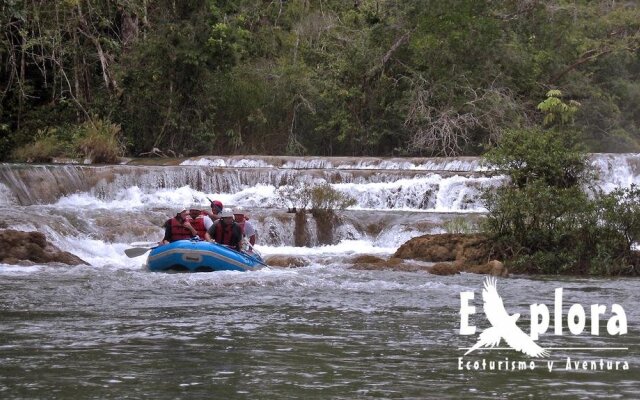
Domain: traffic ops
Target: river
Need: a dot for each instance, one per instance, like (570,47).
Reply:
(324,330)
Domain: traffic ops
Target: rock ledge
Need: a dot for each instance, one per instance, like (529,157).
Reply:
(28,248)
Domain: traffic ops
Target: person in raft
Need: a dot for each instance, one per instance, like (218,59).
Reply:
(213,215)
(178,228)
(248,230)
(226,231)
(197,221)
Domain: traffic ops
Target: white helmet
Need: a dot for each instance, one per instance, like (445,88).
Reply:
(226,212)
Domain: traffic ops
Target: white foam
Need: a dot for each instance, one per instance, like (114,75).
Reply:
(346,247)
(616,171)
(133,198)
(206,162)
(234,163)
(7,197)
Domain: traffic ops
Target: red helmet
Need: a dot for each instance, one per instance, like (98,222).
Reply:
(216,206)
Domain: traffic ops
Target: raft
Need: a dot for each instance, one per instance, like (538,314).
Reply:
(201,256)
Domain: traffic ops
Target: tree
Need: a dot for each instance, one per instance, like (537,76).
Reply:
(544,218)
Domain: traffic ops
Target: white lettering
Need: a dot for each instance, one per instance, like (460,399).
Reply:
(557,312)
(617,324)
(493,365)
(596,365)
(539,326)
(465,311)
(576,327)
(596,311)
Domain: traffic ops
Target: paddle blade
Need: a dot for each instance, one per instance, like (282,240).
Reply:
(144,244)
(136,251)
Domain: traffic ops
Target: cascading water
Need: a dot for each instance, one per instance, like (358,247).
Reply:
(150,194)
(115,330)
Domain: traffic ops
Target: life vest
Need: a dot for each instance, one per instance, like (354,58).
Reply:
(223,232)
(241,221)
(198,225)
(178,232)
(241,224)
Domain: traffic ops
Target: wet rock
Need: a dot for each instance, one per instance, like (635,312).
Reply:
(408,267)
(367,259)
(287,261)
(368,262)
(17,247)
(463,248)
(497,268)
(493,267)
(393,261)
(454,253)
(445,269)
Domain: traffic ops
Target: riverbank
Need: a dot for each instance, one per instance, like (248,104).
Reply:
(477,253)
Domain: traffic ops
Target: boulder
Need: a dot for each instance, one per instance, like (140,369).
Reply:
(17,247)
(497,268)
(287,261)
(493,267)
(370,262)
(454,253)
(449,247)
(445,269)
(367,259)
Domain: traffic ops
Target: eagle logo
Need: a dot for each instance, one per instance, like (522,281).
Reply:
(503,325)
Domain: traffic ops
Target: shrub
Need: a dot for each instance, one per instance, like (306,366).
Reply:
(296,195)
(535,217)
(325,197)
(620,213)
(43,149)
(543,220)
(554,157)
(460,225)
(317,197)
(100,141)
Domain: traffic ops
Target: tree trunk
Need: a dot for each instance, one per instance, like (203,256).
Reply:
(130,29)
(301,235)
(326,221)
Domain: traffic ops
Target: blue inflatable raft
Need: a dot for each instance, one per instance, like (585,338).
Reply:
(201,256)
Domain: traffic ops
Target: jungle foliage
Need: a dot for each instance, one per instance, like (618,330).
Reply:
(550,218)
(326,77)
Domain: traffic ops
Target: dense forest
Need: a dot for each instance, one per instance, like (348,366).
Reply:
(321,77)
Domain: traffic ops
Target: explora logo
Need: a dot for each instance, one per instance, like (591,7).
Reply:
(503,325)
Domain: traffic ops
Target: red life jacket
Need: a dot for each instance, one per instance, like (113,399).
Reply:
(198,225)
(178,232)
(241,226)
(223,234)
(240,220)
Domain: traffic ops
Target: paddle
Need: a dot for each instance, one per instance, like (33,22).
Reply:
(138,251)
(258,260)
(144,244)
(255,252)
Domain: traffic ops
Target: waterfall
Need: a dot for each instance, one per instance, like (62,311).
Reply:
(406,196)
(420,184)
